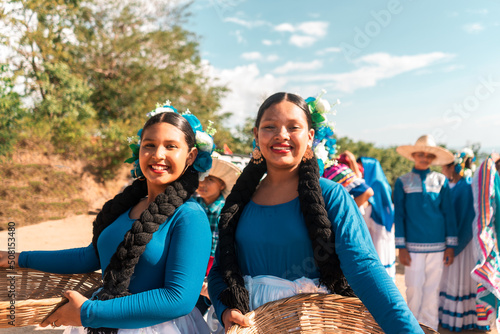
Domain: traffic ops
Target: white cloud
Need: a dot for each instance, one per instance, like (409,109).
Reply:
(298,66)
(375,67)
(314,28)
(311,28)
(287,27)
(248,89)
(267,42)
(473,28)
(272,58)
(304,34)
(488,120)
(258,56)
(328,50)
(251,55)
(453,67)
(245,23)
(239,36)
(302,41)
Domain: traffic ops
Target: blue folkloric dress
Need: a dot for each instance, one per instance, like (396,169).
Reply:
(457,297)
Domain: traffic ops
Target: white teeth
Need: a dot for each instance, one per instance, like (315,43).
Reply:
(282,148)
(156,167)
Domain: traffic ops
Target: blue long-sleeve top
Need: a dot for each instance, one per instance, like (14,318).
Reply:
(167,279)
(424,216)
(273,240)
(463,202)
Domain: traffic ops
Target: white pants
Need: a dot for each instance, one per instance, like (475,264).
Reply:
(422,280)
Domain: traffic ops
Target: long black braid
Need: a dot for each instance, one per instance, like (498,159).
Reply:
(116,277)
(312,205)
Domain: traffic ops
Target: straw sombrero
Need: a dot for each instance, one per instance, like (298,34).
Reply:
(226,171)
(427,144)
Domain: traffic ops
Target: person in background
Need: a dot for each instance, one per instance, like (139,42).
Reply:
(348,173)
(152,241)
(485,239)
(457,297)
(426,230)
(285,230)
(379,213)
(212,193)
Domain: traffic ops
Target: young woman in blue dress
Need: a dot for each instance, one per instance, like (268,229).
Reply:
(284,230)
(152,242)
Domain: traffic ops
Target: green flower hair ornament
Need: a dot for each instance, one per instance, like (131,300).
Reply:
(203,142)
(324,143)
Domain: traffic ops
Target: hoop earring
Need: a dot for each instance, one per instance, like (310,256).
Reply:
(136,175)
(185,169)
(308,154)
(257,155)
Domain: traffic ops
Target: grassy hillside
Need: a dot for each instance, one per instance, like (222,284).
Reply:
(50,189)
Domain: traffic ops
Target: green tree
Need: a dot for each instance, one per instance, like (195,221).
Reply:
(92,70)
(11,111)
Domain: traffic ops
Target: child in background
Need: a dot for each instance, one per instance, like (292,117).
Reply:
(486,229)
(426,229)
(212,193)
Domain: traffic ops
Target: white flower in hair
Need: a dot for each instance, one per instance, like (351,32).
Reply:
(468,152)
(323,106)
(467,173)
(320,151)
(204,142)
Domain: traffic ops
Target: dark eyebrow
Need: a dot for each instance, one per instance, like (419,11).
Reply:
(165,141)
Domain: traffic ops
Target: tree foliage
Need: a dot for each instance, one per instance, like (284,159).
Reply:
(91,70)
(10,111)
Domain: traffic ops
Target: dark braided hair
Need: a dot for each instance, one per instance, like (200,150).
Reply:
(116,277)
(313,208)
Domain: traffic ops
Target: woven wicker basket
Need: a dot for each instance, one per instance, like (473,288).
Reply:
(313,313)
(37,294)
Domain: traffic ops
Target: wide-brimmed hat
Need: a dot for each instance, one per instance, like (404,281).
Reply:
(226,171)
(427,144)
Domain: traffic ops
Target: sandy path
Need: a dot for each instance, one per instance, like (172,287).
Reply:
(77,232)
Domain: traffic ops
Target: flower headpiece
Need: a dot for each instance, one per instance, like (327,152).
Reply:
(460,160)
(324,144)
(203,142)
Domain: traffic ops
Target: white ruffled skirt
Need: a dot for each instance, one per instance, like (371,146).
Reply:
(383,241)
(188,324)
(457,298)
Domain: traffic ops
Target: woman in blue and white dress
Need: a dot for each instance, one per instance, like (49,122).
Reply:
(152,242)
(292,231)
(457,297)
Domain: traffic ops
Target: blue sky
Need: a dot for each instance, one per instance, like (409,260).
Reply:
(400,68)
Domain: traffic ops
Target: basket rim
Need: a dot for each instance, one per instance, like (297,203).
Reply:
(306,298)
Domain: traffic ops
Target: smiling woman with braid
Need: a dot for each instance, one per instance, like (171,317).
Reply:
(152,241)
(293,231)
